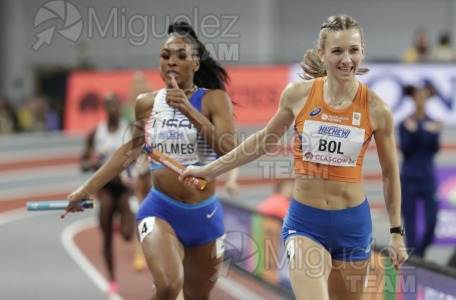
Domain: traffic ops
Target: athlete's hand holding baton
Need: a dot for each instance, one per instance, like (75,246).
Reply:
(73,206)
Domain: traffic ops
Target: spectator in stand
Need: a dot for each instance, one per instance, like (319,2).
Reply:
(46,114)
(443,51)
(36,115)
(8,118)
(25,116)
(419,51)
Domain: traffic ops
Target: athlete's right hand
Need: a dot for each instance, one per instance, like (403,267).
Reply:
(74,197)
(195,171)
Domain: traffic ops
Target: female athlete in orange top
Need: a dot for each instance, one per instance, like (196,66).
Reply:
(327,230)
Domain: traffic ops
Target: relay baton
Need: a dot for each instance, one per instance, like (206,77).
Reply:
(173,165)
(56,204)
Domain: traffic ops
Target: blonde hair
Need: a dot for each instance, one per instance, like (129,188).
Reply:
(311,64)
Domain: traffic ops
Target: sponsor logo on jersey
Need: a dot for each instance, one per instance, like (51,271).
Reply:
(356,120)
(334,131)
(331,118)
(315,112)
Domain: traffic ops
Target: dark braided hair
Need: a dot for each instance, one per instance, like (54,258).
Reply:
(211,74)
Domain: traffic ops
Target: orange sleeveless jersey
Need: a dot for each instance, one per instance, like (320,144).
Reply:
(330,143)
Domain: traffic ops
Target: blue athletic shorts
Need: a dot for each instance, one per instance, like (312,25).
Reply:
(194,224)
(345,233)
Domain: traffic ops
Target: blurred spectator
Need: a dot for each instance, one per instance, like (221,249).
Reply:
(419,51)
(419,143)
(277,204)
(443,51)
(26,116)
(37,115)
(8,118)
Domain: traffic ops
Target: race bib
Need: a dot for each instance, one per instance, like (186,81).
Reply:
(331,144)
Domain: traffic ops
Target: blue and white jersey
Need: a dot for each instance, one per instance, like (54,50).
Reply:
(171,132)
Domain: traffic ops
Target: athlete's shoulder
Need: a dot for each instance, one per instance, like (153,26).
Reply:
(218,101)
(149,96)
(297,91)
(144,104)
(215,94)
(299,88)
(376,103)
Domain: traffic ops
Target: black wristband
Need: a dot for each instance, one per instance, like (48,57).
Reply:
(398,229)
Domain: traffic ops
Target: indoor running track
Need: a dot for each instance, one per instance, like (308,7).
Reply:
(46,258)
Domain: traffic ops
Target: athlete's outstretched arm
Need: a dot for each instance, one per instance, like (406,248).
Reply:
(254,146)
(121,159)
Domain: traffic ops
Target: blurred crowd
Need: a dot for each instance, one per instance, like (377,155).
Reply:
(35,115)
(422,50)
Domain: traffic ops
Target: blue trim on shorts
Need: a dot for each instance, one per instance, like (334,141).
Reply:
(195,224)
(346,233)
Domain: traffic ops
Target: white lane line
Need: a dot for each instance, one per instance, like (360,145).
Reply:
(67,239)
(229,286)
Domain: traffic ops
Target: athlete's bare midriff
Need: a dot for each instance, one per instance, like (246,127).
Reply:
(167,182)
(327,194)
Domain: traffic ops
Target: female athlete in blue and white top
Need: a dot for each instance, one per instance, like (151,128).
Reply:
(191,121)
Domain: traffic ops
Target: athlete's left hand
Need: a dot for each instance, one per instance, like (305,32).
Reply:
(397,251)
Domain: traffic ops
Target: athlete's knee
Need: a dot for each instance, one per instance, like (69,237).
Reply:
(168,285)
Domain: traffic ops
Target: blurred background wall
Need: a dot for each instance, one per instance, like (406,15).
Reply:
(120,34)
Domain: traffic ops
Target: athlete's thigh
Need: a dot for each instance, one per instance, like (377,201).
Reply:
(162,250)
(201,268)
(309,265)
(347,279)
